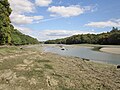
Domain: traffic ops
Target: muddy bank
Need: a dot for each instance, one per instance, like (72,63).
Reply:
(115,49)
(32,69)
(111,50)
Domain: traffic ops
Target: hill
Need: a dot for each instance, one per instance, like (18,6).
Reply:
(109,38)
(9,35)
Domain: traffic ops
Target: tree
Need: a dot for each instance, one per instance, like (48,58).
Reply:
(9,35)
(112,37)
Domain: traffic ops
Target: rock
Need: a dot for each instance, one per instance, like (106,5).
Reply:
(85,59)
(62,49)
(118,66)
(21,48)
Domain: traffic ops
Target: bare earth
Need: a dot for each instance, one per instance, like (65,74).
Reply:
(29,68)
(111,50)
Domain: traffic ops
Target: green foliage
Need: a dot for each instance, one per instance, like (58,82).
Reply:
(109,38)
(9,35)
(5,33)
(20,39)
(48,66)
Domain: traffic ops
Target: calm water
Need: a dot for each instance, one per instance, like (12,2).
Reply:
(85,52)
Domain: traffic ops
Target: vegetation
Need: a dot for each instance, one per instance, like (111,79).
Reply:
(97,48)
(109,38)
(9,35)
(48,66)
(20,39)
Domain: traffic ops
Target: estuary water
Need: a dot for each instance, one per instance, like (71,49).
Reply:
(85,52)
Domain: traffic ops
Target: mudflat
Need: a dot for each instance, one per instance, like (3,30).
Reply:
(111,50)
(29,68)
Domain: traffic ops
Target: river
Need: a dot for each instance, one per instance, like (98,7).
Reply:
(85,52)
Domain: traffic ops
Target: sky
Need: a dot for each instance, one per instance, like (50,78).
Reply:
(52,19)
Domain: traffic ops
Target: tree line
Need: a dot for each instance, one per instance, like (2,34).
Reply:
(9,35)
(109,38)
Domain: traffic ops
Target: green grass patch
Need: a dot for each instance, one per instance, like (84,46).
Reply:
(97,48)
(10,63)
(8,50)
(31,73)
(42,61)
(67,76)
(65,88)
(55,74)
(48,66)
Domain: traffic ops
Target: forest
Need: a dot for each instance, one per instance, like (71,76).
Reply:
(9,35)
(109,38)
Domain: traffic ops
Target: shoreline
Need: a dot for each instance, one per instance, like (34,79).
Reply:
(112,50)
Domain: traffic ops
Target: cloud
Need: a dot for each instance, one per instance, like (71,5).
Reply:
(66,11)
(73,10)
(50,34)
(21,19)
(43,2)
(21,6)
(24,30)
(55,34)
(28,31)
(21,15)
(49,19)
(103,24)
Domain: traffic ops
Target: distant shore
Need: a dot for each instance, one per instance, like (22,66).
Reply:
(114,50)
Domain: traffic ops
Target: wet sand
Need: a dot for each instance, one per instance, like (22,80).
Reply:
(115,50)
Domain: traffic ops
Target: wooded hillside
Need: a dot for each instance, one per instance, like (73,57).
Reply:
(9,35)
(109,38)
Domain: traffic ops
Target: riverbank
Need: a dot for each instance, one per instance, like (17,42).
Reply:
(114,49)
(29,68)
(111,50)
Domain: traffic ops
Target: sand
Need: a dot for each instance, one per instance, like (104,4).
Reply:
(111,50)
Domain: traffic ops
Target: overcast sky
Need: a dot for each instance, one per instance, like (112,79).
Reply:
(51,19)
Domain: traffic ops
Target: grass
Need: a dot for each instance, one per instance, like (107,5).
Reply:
(30,74)
(43,61)
(10,63)
(7,50)
(66,88)
(55,74)
(69,74)
(66,76)
(97,48)
(48,66)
